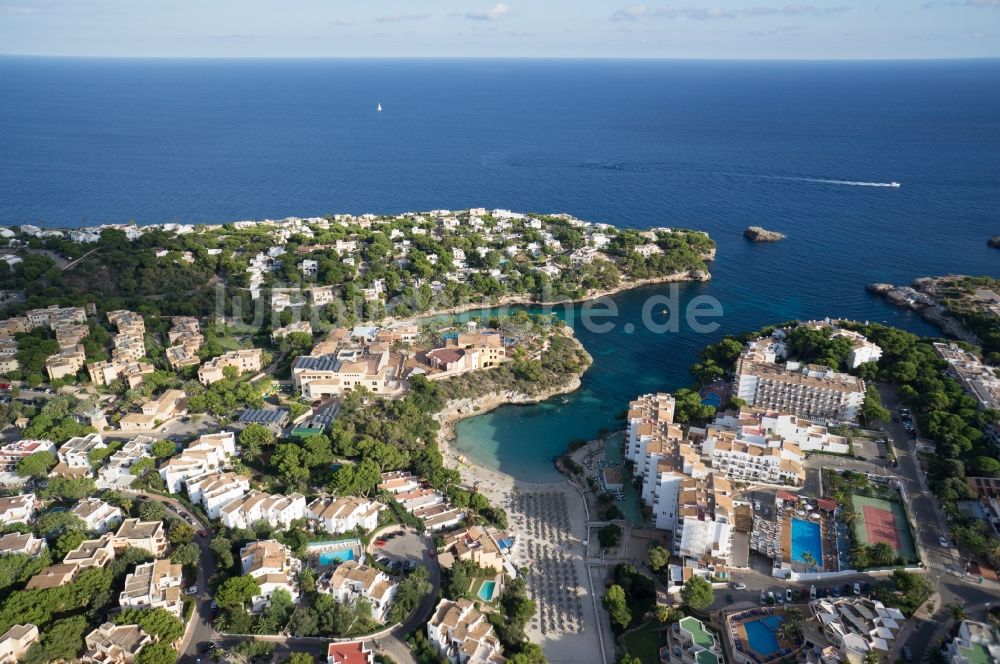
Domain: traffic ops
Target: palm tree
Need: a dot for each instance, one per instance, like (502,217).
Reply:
(791,626)
(810,560)
(871,657)
(956,610)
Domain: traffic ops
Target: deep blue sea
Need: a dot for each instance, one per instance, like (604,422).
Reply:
(710,145)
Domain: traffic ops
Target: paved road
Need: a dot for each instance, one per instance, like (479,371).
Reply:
(200,630)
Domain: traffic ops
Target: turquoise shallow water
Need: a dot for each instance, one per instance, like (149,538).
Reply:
(523,441)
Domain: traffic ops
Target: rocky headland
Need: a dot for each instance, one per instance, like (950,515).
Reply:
(759,234)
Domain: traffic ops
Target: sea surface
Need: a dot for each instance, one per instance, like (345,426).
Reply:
(794,147)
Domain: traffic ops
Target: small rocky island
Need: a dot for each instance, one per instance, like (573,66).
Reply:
(994,242)
(758,234)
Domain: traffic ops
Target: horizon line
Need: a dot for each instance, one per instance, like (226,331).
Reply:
(502,58)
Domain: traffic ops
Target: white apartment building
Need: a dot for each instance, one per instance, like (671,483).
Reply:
(215,490)
(278,510)
(343,514)
(209,453)
(150,536)
(75,452)
(117,467)
(857,625)
(274,567)
(463,635)
(155,585)
(351,581)
(399,481)
(775,462)
(97,515)
(243,361)
(16,641)
(764,427)
(811,391)
(317,376)
(11,453)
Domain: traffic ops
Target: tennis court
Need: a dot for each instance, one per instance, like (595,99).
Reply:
(881,520)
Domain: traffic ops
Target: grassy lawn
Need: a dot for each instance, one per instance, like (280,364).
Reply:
(645,643)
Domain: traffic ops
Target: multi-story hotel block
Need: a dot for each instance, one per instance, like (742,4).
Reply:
(463,635)
(352,581)
(340,515)
(811,391)
(277,509)
(155,585)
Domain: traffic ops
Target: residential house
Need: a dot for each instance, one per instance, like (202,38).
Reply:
(15,642)
(11,453)
(148,535)
(975,643)
(274,567)
(53,576)
(118,464)
(343,514)
(278,510)
(298,327)
(463,635)
(74,454)
(243,361)
(167,406)
(92,553)
(155,585)
(20,508)
(115,644)
(210,452)
(474,544)
(351,652)
(97,515)
(351,581)
(24,544)
(214,490)
(66,362)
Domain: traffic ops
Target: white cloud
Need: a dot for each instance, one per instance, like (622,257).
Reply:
(630,13)
(494,13)
(397,17)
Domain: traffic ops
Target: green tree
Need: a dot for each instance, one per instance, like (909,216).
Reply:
(156,622)
(659,558)
(300,658)
(609,535)
(614,602)
(668,614)
(236,591)
(254,438)
(156,653)
(697,593)
(36,465)
(60,641)
(186,554)
(162,449)
(180,533)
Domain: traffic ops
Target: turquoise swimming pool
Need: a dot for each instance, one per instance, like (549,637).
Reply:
(486,591)
(760,634)
(806,539)
(712,399)
(330,557)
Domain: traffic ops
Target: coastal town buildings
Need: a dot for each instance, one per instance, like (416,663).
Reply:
(116,468)
(243,361)
(343,514)
(352,581)
(274,567)
(811,391)
(186,340)
(92,553)
(74,454)
(65,363)
(155,585)
(210,452)
(12,453)
(977,378)
(331,375)
(854,625)
(277,509)
(214,490)
(172,403)
(463,635)
(475,544)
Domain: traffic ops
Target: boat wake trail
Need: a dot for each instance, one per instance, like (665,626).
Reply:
(846,183)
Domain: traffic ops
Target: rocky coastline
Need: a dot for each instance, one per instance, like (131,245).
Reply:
(760,234)
(917,300)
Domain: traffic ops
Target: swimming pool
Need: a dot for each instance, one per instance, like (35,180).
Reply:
(760,634)
(712,399)
(486,591)
(329,557)
(806,539)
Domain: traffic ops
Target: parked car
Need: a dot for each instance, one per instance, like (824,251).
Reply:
(836,592)
(812,592)
(943,542)
(193,590)
(789,595)
(380,542)
(857,588)
(736,585)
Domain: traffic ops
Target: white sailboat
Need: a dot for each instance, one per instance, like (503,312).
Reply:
(379,108)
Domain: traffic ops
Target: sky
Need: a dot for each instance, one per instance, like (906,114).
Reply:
(812,29)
